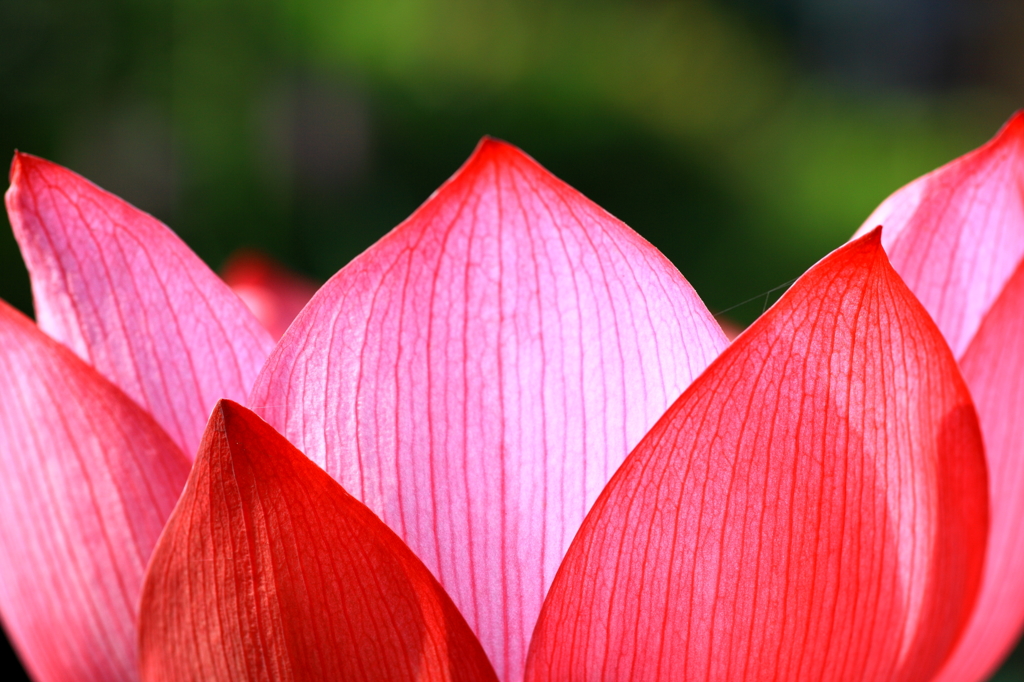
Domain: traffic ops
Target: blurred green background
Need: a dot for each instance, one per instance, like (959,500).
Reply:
(744,138)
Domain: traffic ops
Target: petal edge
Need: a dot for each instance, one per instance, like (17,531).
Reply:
(87,480)
(477,375)
(787,519)
(122,291)
(269,570)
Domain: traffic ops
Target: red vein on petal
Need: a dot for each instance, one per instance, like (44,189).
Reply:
(122,291)
(993,366)
(956,234)
(88,480)
(473,364)
(308,584)
(822,484)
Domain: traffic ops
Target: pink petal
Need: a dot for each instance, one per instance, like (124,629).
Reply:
(87,480)
(812,508)
(477,376)
(957,234)
(122,291)
(994,369)
(273,294)
(268,570)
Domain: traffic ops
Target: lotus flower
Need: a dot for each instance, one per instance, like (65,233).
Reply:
(427,476)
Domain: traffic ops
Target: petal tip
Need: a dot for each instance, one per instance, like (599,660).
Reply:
(230,418)
(17,170)
(492,149)
(1016,123)
(24,170)
(492,145)
(1011,133)
(22,162)
(227,412)
(869,244)
(219,409)
(851,304)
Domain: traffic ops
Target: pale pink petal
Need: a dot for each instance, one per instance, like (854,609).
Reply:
(87,480)
(477,376)
(994,369)
(274,294)
(122,291)
(812,508)
(957,234)
(270,572)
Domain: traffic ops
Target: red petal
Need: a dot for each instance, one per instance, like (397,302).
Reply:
(994,367)
(477,376)
(273,294)
(957,234)
(87,480)
(122,291)
(268,570)
(812,508)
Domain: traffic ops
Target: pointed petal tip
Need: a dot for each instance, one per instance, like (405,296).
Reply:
(608,611)
(494,150)
(15,173)
(22,161)
(1013,127)
(25,169)
(503,244)
(354,603)
(865,248)
(870,245)
(939,227)
(220,413)
(491,145)
(1011,132)
(89,252)
(228,413)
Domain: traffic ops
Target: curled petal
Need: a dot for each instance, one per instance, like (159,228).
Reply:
(812,508)
(993,367)
(957,234)
(87,480)
(268,570)
(121,290)
(477,376)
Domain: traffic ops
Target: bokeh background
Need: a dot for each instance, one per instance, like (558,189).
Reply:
(744,138)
